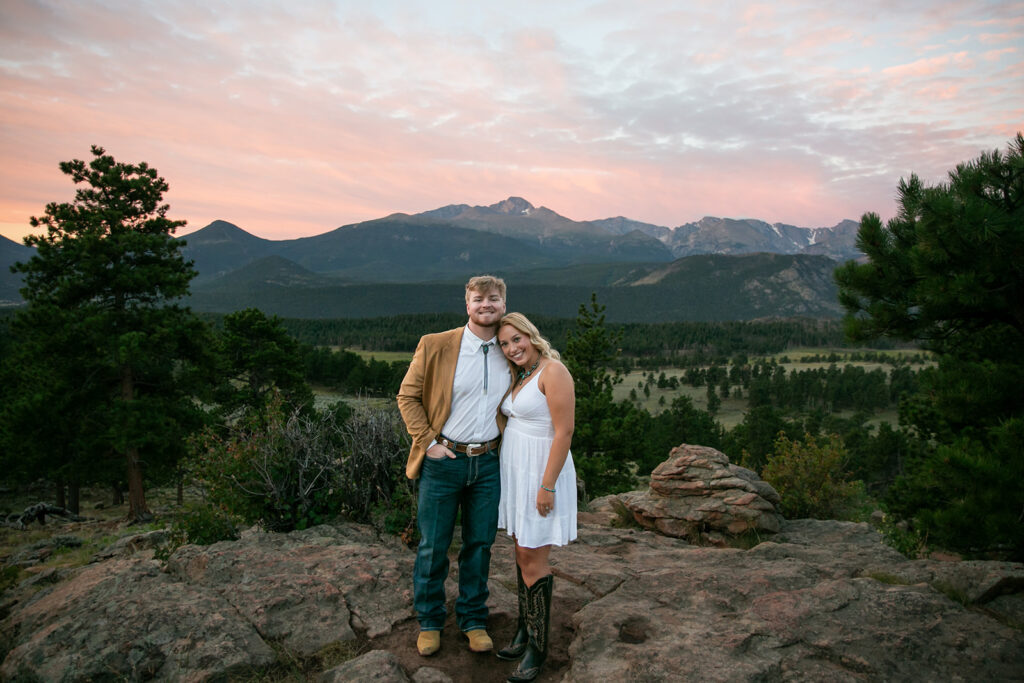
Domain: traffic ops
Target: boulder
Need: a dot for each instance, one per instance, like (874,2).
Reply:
(697,494)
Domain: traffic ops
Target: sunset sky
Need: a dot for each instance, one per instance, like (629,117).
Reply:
(291,119)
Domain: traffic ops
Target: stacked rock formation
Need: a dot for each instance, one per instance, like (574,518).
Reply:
(697,494)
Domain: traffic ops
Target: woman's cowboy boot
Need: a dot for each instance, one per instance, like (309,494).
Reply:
(517,646)
(538,621)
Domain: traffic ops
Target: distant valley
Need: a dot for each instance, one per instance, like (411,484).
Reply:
(714,269)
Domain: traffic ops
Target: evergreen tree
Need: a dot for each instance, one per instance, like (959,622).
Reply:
(103,324)
(257,357)
(603,442)
(947,271)
(714,401)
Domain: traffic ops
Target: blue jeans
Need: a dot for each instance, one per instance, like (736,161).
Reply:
(474,484)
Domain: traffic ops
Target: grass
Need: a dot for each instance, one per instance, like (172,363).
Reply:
(952,592)
(104,524)
(888,579)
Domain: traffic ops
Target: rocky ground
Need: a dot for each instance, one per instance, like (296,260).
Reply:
(820,600)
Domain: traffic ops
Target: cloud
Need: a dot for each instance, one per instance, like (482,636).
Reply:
(294,119)
(929,66)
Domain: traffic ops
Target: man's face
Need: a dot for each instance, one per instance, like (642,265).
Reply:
(485,308)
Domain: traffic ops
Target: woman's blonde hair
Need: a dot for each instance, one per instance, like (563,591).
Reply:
(523,324)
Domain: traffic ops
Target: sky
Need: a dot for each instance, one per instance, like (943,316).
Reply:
(292,119)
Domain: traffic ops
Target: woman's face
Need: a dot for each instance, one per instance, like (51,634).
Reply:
(516,346)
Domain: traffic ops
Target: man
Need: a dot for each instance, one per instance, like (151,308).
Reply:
(449,400)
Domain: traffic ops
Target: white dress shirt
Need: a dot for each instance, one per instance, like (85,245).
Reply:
(474,409)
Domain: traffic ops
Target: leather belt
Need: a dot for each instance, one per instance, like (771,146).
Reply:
(470,449)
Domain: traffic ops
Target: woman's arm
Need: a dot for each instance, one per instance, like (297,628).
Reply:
(557,386)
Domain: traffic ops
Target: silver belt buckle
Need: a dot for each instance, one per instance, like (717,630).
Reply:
(470,447)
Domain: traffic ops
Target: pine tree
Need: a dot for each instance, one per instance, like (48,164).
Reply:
(258,357)
(947,271)
(103,315)
(603,442)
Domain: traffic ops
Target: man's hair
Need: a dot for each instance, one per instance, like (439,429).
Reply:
(484,284)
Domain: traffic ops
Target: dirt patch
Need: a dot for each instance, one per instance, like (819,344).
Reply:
(463,666)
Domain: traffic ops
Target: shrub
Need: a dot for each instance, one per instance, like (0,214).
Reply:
(275,469)
(291,471)
(374,449)
(811,479)
(901,537)
(204,524)
(10,575)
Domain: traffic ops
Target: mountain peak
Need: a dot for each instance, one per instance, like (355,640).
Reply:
(513,206)
(221,231)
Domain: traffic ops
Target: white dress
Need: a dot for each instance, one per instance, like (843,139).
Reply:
(525,446)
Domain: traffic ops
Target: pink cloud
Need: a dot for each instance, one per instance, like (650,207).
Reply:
(296,119)
(996,55)
(929,66)
(1000,37)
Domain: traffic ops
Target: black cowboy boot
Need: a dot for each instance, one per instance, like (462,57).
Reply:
(538,621)
(517,646)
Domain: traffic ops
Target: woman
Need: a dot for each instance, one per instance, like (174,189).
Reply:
(538,480)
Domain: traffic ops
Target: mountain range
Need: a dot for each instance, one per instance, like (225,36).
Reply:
(713,269)
(511,235)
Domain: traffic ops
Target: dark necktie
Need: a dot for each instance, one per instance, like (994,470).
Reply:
(486,347)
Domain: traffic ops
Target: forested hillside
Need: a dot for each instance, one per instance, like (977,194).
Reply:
(697,288)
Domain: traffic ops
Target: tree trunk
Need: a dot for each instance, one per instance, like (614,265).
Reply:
(61,499)
(117,497)
(137,510)
(181,488)
(74,497)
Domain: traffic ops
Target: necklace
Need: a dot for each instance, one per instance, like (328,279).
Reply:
(523,374)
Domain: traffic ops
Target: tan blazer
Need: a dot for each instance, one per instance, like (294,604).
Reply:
(425,397)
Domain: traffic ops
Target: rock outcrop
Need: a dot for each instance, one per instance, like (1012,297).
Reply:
(212,610)
(697,494)
(821,601)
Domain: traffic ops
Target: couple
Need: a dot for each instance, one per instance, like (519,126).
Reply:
(463,403)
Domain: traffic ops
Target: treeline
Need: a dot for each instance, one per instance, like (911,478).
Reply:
(350,373)
(865,357)
(830,389)
(667,343)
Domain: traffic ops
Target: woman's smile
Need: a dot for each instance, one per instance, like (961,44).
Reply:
(516,346)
